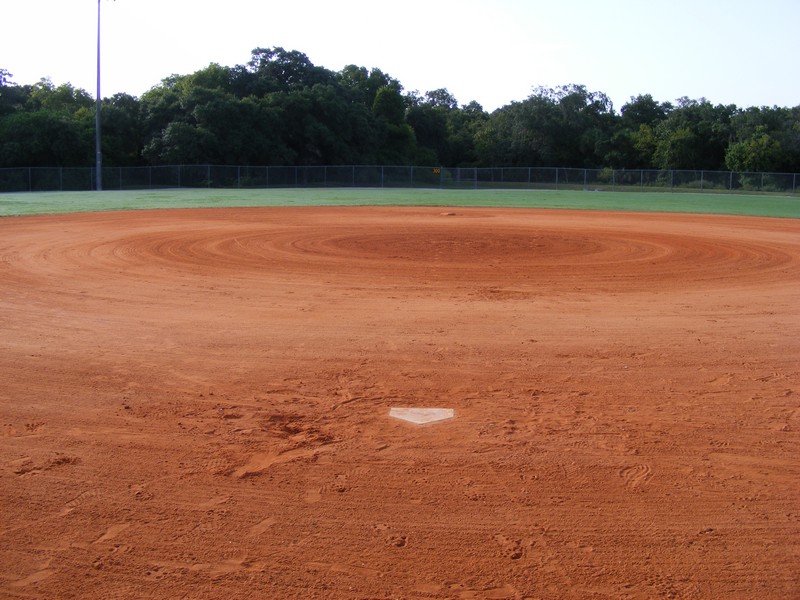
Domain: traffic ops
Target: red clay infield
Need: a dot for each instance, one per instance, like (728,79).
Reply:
(195,404)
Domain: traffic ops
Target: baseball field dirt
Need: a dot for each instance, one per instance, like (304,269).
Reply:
(195,404)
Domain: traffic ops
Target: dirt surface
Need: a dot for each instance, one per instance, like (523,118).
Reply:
(195,405)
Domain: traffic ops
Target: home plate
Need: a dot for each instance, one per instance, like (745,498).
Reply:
(422,415)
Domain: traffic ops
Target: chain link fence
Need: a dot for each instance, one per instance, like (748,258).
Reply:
(46,179)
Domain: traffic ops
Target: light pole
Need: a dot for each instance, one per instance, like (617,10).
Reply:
(98,153)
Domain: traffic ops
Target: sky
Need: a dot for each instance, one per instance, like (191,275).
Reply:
(494,52)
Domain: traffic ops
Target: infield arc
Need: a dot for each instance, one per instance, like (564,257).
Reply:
(529,251)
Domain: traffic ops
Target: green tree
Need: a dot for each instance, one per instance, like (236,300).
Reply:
(159,107)
(633,142)
(122,130)
(781,125)
(181,143)
(362,86)
(12,96)
(64,98)
(429,120)
(565,126)
(275,69)
(695,135)
(43,138)
(389,105)
(758,153)
(395,138)
(643,110)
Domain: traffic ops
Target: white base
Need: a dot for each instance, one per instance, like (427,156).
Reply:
(421,416)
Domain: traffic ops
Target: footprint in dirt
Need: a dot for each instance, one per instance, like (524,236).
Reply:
(636,476)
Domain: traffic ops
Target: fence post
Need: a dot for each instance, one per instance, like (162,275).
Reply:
(556,177)
(354,176)
(761,189)
(412,177)
(238,177)
(702,173)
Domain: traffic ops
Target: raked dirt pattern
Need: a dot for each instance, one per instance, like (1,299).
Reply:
(195,404)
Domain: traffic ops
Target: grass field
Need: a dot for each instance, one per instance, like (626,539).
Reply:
(68,202)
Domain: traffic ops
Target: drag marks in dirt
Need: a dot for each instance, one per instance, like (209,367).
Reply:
(59,460)
(533,249)
(625,401)
(636,476)
(32,579)
(260,462)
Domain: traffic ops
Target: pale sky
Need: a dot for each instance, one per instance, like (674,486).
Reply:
(495,52)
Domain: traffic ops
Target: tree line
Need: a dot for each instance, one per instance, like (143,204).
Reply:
(281,109)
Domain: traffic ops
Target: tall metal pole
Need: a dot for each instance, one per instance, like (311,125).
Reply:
(98,153)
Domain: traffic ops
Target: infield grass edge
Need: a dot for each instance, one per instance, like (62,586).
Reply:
(35,203)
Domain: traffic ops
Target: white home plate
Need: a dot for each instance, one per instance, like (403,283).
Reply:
(422,415)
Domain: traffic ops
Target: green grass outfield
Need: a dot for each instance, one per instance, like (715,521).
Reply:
(36,203)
